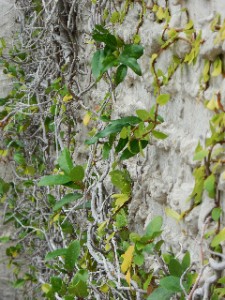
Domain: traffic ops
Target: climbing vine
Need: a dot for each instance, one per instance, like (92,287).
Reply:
(69,197)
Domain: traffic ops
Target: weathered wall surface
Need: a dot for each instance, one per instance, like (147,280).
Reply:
(165,179)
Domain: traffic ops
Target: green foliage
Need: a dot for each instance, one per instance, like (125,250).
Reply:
(114,54)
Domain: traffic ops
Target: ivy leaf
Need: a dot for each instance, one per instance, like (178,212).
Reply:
(175,268)
(154,227)
(163,99)
(209,185)
(159,135)
(56,283)
(65,162)
(220,237)
(186,261)
(131,63)
(77,173)
(199,175)
(72,255)
(115,127)
(160,294)
(96,63)
(217,67)
(201,154)
(121,199)
(216,212)
(80,289)
(108,62)
(54,180)
(127,259)
(53,254)
(132,50)
(121,180)
(143,114)
(171,283)
(69,198)
(121,73)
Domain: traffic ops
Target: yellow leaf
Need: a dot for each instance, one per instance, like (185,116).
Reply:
(127,259)
(212,104)
(87,118)
(120,200)
(128,277)
(173,214)
(67,98)
(14,254)
(217,67)
(45,288)
(55,218)
(160,13)
(3,153)
(104,288)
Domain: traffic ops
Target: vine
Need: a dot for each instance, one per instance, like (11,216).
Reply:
(71,214)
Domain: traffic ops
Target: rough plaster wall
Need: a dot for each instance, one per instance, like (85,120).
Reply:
(165,178)
(7,25)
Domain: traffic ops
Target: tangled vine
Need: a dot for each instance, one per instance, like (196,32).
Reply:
(69,196)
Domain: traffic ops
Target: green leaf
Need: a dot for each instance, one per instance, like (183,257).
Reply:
(209,185)
(154,227)
(77,173)
(121,144)
(171,283)
(54,180)
(96,63)
(115,127)
(19,158)
(186,261)
(220,237)
(80,289)
(56,283)
(108,39)
(106,150)
(65,162)
(201,154)
(126,154)
(199,174)
(159,135)
(163,99)
(53,254)
(121,180)
(143,114)
(160,294)
(175,268)
(69,198)
(108,62)
(72,255)
(139,259)
(216,213)
(133,50)
(120,74)
(131,63)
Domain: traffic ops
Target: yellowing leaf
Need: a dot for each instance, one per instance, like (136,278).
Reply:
(173,214)
(127,259)
(160,13)
(121,199)
(217,67)
(212,104)
(87,118)
(104,288)
(55,218)
(46,288)
(128,277)
(67,98)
